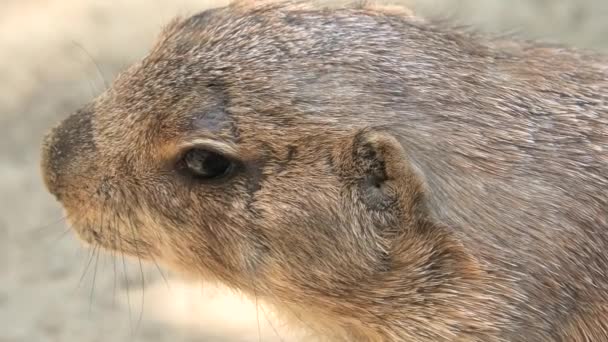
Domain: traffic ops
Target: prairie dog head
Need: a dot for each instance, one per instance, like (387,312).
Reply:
(243,149)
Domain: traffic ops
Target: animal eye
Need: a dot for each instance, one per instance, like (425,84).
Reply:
(204,164)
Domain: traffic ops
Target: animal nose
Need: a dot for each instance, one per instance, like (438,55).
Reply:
(64,149)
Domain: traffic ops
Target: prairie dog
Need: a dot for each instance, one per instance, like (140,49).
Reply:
(365,171)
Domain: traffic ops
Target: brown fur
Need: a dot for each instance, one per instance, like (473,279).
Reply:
(397,180)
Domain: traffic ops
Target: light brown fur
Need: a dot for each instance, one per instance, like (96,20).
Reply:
(394,180)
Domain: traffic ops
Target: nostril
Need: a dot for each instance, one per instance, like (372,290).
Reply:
(49,175)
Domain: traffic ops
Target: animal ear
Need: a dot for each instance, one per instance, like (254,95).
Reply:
(375,164)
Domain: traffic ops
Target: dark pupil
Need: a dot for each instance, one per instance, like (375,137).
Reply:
(206,164)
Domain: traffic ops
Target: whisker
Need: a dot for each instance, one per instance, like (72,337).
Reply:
(89,259)
(113,234)
(158,267)
(114,256)
(130,225)
(141,272)
(62,234)
(105,82)
(46,226)
(124,268)
(255,293)
(101,228)
(155,262)
(59,237)
(85,271)
(271,325)
(299,318)
(98,251)
(160,271)
(257,314)
(94,280)
(78,253)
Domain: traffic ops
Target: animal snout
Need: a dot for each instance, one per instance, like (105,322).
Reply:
(65,150)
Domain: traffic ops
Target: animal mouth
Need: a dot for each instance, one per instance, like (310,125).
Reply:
(108,237)
(86,233)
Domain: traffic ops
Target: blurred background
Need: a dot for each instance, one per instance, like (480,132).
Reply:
(55,55)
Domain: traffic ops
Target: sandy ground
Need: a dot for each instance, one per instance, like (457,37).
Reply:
(50,287)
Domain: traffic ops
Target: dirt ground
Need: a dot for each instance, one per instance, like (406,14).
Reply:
(47,49)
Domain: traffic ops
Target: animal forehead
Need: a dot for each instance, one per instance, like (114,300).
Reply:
(280,28)
(172,83)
